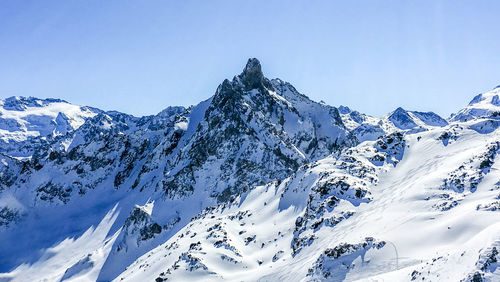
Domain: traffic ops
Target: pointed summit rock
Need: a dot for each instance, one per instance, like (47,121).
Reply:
(229,91)
(252,76)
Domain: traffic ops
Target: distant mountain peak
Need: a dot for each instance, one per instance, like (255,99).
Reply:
(482,105)
(401,119)
(399,110)
(21,103)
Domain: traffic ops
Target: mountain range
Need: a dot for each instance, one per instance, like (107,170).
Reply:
(256,183)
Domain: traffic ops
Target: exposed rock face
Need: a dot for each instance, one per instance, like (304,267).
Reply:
(252,76)
(335,262)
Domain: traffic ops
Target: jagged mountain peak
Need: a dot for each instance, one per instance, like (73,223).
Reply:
(256,89)
(252,88)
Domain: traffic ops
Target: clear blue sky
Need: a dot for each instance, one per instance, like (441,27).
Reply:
(142,56)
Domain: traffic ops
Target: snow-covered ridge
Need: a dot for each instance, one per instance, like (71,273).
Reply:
(366,127)
(22,118)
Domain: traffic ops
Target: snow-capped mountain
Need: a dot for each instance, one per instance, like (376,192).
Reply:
(27,121)
(482,105)
(258,182)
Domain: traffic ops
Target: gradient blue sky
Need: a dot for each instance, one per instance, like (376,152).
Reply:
(142,56)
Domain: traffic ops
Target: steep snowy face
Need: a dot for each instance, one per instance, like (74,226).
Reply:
(316,128)
(24,119)
(483,105)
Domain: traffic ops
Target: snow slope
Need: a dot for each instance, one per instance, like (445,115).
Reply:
(79,259)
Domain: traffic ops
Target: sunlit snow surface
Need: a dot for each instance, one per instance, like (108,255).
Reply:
(73,259)
(24,117)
